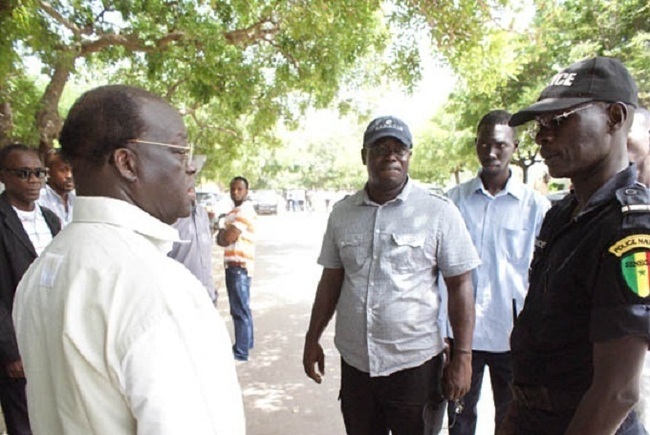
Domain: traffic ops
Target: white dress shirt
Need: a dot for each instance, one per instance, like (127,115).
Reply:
(118,338)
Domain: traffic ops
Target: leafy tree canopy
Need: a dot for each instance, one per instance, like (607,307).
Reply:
(513,63)
(233,67)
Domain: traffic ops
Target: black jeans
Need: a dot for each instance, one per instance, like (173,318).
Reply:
(397,402)
(500,378)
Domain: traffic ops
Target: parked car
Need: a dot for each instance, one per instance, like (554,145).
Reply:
(266,201)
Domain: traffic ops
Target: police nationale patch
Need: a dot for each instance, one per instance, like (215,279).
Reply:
(636,272)
(634,241)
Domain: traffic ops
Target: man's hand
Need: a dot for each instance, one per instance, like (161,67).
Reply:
(457,377)
(14,369)
(312,355)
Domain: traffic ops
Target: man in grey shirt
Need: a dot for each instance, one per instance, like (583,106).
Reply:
(195,248)
(382,251)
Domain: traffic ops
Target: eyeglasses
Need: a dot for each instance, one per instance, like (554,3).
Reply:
(385,149)
(26,173)
(187,151)
(554,121)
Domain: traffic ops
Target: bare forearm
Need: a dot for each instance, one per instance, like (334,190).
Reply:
(615,386)
(227,235)
(461,310)
(600,415)
(327,296)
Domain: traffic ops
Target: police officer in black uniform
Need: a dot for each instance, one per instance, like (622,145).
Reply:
(579,344)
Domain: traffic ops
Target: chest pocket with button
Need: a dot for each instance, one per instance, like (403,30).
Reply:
(407,253)
(354,250)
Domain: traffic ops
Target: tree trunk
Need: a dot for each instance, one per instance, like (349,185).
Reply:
(48,120)
(6,123)
(525,171)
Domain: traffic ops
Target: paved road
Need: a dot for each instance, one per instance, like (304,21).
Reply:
(278,397)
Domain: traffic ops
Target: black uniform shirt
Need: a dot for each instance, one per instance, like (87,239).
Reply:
(588,283)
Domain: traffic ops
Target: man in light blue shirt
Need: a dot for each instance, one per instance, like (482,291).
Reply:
(503,217)
(58,193)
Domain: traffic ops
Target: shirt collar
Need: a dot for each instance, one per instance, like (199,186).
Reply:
(604,194)
(96,209)
(402,196)
(513,187)
(53,193)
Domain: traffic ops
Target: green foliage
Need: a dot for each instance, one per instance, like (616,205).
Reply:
(236,68)
(510,66)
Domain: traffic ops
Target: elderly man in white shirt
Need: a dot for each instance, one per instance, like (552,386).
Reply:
(116,337)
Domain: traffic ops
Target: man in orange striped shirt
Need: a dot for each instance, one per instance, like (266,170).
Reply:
(238,237)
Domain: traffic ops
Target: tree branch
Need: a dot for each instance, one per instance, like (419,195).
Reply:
(131,42)
(263,30)
(60,18)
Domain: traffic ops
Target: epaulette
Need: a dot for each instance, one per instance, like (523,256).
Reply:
(635,206)
(436,195)
(634,199)
(439,197)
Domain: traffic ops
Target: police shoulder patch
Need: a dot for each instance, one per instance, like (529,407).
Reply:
(626,244)
(636,272)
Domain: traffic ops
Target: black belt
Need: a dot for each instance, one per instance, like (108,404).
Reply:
(236,264)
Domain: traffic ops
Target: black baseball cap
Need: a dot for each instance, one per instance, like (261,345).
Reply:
(387,126)
(596,79)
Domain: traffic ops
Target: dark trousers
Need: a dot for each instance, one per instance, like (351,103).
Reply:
(406,402)
(238,284)
(14,406)
(527,421)
(500,377)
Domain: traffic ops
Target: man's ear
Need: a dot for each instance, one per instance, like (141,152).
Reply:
(126,164)
(618,116)
(364,155)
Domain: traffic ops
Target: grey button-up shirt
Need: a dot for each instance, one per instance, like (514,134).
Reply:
(386,317)
(195,248)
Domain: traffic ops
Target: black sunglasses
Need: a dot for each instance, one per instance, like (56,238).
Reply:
(25,173)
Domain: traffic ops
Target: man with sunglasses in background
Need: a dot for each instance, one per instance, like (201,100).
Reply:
(381,254)
(25,230)
(579,344)
(116,337)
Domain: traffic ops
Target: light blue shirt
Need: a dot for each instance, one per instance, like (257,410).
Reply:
(503,229)
(52,200)
(386,316)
